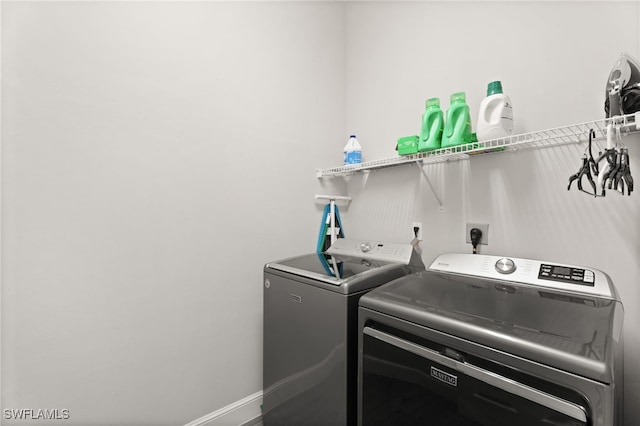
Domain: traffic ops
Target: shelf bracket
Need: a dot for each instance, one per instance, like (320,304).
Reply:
(433,190)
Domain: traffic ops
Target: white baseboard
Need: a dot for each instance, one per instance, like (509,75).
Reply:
(234,414)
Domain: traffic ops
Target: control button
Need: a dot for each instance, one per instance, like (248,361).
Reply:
(588,279)
(365,247)
(505,266)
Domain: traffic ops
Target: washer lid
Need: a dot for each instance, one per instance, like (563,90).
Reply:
(577,333)
(352,259)
(320,267)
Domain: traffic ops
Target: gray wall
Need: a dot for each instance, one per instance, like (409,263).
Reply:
(154,156)
(553,60)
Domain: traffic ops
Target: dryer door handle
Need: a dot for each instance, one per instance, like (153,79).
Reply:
(493,379)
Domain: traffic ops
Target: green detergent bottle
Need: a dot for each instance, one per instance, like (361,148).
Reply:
(457,127)
(432,126)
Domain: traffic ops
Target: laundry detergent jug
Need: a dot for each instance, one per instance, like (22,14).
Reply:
(495,119)
(457,125)
(352,151)
(432,126)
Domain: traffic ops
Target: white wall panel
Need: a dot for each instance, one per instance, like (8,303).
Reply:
(155,156)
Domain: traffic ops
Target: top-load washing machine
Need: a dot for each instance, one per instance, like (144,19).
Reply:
(484,340)
(311,330)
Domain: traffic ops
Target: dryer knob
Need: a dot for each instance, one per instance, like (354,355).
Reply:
(365,247)
(505,266)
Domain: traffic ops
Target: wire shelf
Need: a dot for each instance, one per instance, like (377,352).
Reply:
(573,133)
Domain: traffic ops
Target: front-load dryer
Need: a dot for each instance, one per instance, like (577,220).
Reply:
(492,341)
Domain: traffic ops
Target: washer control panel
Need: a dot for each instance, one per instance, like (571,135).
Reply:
(382,252)
(566,274)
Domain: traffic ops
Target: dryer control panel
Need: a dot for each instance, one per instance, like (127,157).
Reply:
(566,274)
(572,278)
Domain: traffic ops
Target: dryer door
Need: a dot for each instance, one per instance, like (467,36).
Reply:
(407,383)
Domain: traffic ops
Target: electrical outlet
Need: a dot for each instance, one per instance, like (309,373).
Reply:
(484,227)
(413,233)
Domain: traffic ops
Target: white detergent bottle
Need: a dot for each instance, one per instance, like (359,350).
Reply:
(495,119)
(352,151)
